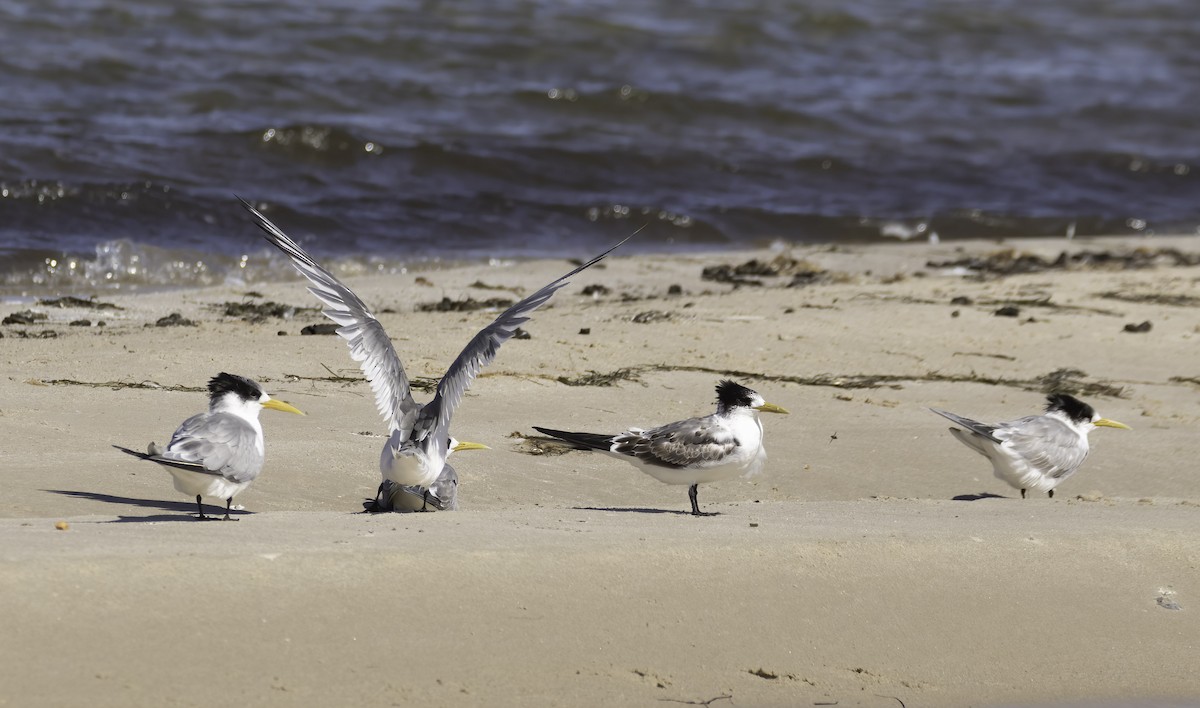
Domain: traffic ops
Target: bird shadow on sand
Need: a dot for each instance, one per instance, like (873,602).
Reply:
(185,511)
(979,496)
(632,509)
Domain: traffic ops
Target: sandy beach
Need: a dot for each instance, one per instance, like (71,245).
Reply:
(874,562)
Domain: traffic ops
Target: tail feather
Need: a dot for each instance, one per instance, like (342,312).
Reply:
(590,441)
(973,425)
(972,440)
(168,462)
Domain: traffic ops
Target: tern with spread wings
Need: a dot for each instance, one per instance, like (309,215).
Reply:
(419,435)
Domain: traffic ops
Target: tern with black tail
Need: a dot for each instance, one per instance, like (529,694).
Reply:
(419,439)
(217,454)
(724,445)
(1036,452)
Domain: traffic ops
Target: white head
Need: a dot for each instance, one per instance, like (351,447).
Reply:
(1078,414)
(732,396)
(239,395)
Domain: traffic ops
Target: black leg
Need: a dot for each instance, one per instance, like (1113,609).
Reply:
(425,501)
(376,505)
(200,508)
(228,508)
(1022,493)
(696,506)
(1050,493)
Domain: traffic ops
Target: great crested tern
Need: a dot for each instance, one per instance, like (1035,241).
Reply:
(1039,451)
(442,495)
(418,435)
(724,445)
(218,454)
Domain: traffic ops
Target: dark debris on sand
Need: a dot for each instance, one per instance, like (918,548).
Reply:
(597,378)
(651,316)
(173,320)
(78,302)
(1152,298)
(25,317)
(256,312)
(469,304)
(322,328)
(1012,262)
(748,273)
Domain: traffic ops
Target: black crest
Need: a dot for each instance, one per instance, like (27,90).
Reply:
(224,383)
(733,395)
(1071,407)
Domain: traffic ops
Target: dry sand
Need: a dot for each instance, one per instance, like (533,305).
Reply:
(870,564)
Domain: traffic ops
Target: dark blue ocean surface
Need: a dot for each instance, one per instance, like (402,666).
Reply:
(390,132)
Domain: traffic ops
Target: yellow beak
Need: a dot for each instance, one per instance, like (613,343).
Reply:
(464,445)
(771,408)
(281,406)
(1106,423)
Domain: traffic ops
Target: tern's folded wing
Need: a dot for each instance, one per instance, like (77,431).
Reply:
(1046,443)
(696,442)
(369,344)
(221,442)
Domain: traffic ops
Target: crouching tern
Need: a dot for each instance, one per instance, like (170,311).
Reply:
(1039,451)
(442,495)
(218,454)
(724,445)
(418,435)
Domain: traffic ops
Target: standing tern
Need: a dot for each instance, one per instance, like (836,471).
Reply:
(219,453)
(418,435)
(1038,451)
(726,444)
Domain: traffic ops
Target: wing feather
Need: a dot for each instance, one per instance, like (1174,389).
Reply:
(221,442)
(1046,443)
(987,431)
(482,348)
(696,442)
(369,344)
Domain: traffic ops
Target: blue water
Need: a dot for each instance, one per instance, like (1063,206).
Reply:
(389,132)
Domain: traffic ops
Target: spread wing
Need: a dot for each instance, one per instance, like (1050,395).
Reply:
(220,442)
(696,442)
(1046,443)
(974,426)
(369,343)
(481,350)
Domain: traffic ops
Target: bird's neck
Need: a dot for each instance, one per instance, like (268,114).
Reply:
(233,404)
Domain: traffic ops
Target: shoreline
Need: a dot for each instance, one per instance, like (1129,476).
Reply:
(260,265)
(567,577)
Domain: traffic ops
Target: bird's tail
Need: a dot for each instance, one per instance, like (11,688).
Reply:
(135,453)
(975,441)
(168,462)
(588,441)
